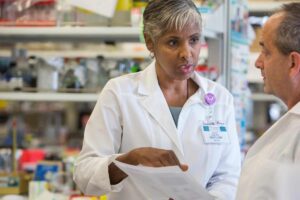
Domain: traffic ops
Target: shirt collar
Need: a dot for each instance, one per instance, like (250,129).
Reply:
(296,109)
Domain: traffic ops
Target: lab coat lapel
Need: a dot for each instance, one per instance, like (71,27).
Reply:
(198,98)
(155,103)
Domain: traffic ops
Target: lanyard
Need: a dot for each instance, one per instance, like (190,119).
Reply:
(209,100)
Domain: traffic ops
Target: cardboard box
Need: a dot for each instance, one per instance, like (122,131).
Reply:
(14,183)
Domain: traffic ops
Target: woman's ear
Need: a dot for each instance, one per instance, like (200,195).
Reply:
(149,42)
(294,64)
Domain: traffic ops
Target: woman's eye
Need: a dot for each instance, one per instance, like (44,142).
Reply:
(194,40)
(172,42)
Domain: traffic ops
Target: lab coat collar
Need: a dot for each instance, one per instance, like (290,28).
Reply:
(296,109)
(203,88)
(201,82)
(149,88)
(149,82)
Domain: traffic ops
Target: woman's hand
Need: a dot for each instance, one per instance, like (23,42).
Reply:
(147,156)
(151,157)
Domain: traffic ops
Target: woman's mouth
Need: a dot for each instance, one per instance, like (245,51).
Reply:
(186,68)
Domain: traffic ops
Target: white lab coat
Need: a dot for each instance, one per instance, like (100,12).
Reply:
(278,146)
(132,112)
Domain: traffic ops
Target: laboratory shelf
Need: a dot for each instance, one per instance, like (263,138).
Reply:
(14,34)
(85,34)
(49,96)
(84,53)
(264,97)
(265,6)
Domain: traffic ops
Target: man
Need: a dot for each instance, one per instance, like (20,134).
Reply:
(279,62)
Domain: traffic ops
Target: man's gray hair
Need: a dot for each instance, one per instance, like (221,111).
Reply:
(288,32)
(161,16)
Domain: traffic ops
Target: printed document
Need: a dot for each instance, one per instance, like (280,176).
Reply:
(165,182)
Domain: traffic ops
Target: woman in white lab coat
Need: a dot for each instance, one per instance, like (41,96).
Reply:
(163,116)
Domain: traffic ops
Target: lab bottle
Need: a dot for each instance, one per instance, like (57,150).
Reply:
(48,77)
(80,72)
(69,79)
(102,73)
(92,81)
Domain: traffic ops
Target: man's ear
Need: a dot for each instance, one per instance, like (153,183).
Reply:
(149,42)
(294,58)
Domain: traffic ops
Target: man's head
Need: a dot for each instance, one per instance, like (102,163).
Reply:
(288,33)
(279,60)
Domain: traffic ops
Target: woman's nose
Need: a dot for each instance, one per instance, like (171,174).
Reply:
(185,52)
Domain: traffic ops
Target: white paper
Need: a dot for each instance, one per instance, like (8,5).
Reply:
(101,7)
(164,182)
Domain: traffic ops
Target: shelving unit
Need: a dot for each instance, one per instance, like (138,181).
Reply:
(85,53)
(215,31)
(78,34)
(265,6)
(49,96)
(69,34)
(264,97)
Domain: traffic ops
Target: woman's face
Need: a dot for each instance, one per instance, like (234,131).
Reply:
(176,52)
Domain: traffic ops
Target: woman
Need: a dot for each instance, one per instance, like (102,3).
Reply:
(162,116)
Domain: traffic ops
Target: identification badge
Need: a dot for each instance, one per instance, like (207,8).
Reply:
(215,133)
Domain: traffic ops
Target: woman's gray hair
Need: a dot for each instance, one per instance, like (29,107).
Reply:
(161,16)
(288,32)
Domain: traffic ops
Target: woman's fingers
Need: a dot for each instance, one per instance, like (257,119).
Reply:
(152,157)
(184,167)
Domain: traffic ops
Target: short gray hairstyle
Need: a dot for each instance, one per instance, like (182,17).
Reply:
(161,16)
(288,32)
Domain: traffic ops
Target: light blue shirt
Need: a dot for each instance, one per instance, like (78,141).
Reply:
(175,111)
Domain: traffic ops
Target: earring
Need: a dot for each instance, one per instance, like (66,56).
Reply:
(151,55)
